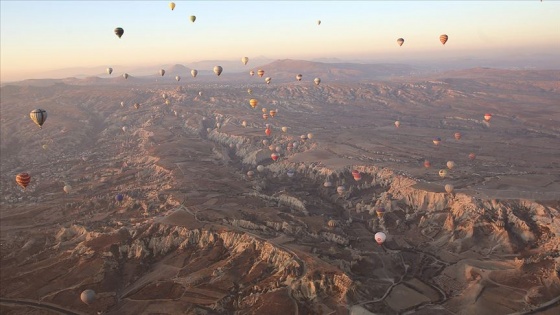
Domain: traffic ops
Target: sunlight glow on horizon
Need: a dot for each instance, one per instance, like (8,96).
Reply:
(41,36)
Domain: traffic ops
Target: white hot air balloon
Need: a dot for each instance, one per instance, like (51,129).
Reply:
(380,237)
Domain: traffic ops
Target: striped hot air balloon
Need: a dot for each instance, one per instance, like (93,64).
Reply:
(23,179)
(38,116)
(443,39)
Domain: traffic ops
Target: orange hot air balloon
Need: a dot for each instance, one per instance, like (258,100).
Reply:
(274,156)
(272,113)
(427,164)
(487,116)
(443,39)
(358,177)
(267,131)
(253,102)
(264,110)
(23,179)
(260,72)
(265,116)
(457,136)
(472,156)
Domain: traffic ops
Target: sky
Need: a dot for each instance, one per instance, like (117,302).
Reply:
(39,36)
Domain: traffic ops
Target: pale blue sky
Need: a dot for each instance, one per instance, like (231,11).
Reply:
(42,35)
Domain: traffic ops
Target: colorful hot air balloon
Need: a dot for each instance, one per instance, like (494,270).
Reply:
(38,116)
(380,212)
(109,70)
(218,70)
(400,41)
(253,102)
(457,136)
(274,156)
(299,77)
(260,73)
(172,5)
(267,131)
(194,73)
(317,81)
(245,60)
(449,188)
(119,32)
(88,296)
(161,72)
(443,39)
(23,179)
(380,237)
(450,164)
(193,18)
(487,116)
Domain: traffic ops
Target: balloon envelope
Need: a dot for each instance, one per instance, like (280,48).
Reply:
(109,70)
(317,81)
(23,179)
(245,60)
(67,189)
(400,41)
(172,5)
(443,39)
(119,197)
(380,237)
(218,70)
(38,116)
(193,18)
(119,32)
(194,73)
(88,296)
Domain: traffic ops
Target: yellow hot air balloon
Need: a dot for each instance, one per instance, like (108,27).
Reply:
(172,5)
(284,129)
(245,60)
(443,39)
(253,102)
(193,18)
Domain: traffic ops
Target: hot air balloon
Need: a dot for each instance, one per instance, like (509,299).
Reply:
(328,184)
(267,131)
(119,197)
(472,156)
(260,72)
(380,212)
(317,81)
(299,77)
(400,41)
(178,78)
(38,116)
(250,174)
(457,136)
(358,177)
(449,188)
(260,168)
(427,164)
(122,104)
(272,113)
(267,80)
(265,142)
(443,39)
(245,60)
(164,96)
(109,70)
(200,93)
(250,91)
(125,75)
(161,72)
(193,18)
(67,189)
(172,5)
(218,70)
(194,73)
(244,123)
(310,136)
(136,105)
(264,110)
(265,116)
(442,173)
(290,173)
(88,296)
(397,124)
(252,73)
(278,149)
(332,223)
(45,146)
(341,190)
(167,102)
(318,22)
(450,164)
(437,141)
(487,116)
(303,137)
(380,237)
(119,32)
(284,129)
(253,102)
(23,179)
(274,156)
(124,128)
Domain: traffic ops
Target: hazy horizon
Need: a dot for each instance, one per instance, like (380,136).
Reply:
(42,37)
